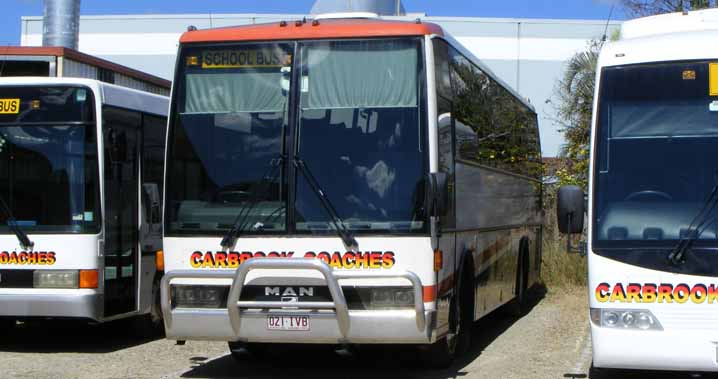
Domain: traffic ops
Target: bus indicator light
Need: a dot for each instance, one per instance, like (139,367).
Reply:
(89,279)
(160,260)
(35,104)
(193,61)
(438,260)
(689,75)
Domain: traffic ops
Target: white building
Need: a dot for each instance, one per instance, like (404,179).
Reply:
(529,54)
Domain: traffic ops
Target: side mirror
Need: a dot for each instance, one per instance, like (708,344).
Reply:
(570,209)
(437,193)
(437,201)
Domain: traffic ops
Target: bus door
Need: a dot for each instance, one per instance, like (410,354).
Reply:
(121,139)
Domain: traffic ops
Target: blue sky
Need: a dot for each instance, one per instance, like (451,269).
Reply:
(575,9)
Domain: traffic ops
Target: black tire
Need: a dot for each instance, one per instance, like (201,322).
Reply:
(152,324)
(604,373)
(239,351)
(156,319)
(6,326)
(245,352)
(441,353)
(519,305)
(466,310)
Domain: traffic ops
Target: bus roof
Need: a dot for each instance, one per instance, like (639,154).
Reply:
(318,29)
(706,19)
(107,93)
(681,46)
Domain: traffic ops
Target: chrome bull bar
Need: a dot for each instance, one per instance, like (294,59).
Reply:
(338,303)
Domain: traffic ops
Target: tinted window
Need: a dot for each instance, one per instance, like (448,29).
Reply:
(227,132)
(46,104)
(48,169)
(493,128)
(361,134)
(655,167)
(153,149)
(446,157)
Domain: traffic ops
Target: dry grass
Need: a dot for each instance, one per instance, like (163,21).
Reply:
(559,269)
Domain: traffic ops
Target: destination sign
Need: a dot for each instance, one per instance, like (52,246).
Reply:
(244,58)
(9,106)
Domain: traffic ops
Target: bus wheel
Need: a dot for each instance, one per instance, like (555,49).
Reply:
(519,305)
(152,324)
(244,352)
(605,373)
(6,325)
(156,321)
(441,353)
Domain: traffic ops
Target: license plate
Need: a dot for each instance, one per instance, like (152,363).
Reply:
(288,322)
(9,106)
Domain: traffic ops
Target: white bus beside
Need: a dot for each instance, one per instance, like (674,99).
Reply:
(345,181)
(652,240)
(80,188)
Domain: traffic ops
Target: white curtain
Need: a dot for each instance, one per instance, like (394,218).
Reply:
(360,74)
(234,92)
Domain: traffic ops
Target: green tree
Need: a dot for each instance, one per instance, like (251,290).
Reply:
(640,8)
(574,92)
(574,95)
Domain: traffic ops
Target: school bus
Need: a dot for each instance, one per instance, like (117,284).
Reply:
(345,181)
(80,188)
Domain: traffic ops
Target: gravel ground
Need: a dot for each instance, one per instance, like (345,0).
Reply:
(551,341)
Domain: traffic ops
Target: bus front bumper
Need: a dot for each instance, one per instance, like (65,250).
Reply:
(328,322)
(83,304)
(672,350)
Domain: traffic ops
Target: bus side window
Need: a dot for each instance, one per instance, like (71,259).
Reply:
(441,69)
(153,151)
(445,126)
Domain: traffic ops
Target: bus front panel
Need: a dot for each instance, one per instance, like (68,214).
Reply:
(653,265)
(303,152)
(50,215)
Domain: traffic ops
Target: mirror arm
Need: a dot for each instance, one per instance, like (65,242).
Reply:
(582,248)
(434,226)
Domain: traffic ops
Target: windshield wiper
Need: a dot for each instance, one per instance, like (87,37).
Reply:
(240,222)
(339,226)
(25,242)
(678,253)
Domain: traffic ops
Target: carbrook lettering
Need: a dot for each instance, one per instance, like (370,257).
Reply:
(664,293)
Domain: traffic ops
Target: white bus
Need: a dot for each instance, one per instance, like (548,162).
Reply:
(81,165)
(345,181)
(652,230)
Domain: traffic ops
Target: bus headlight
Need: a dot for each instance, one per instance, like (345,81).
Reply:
(188,296)
(55,279)
(389,297)
(635,319)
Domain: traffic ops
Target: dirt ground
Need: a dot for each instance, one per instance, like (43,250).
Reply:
(551,341)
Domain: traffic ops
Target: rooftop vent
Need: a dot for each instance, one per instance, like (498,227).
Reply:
(378,7)
(61,23)
(327,16)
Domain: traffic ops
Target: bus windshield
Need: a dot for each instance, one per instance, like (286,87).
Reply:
(656,161)
(360,132)
(356,120)
(48,159)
